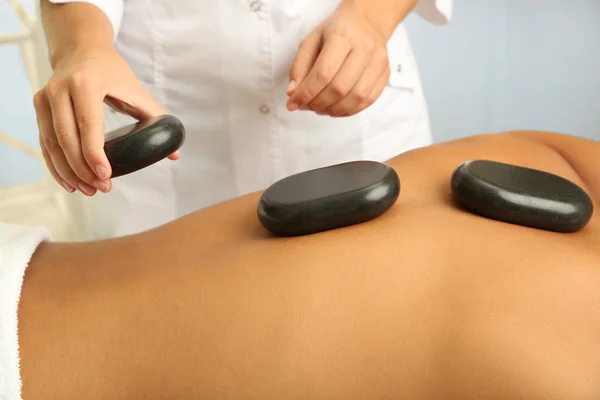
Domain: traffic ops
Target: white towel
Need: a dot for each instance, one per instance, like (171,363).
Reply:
(17,245)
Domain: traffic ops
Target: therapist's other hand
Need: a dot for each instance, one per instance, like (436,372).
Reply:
(342,67)
(70,115)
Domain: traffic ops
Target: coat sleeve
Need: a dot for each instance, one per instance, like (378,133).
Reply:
(437,12)
(112,8)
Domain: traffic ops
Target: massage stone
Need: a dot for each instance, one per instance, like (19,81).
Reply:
(136,146)
(521,196)
(328,198)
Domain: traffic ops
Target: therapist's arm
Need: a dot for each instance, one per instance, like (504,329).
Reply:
(342,66)
(69,109)
(388,14)
(75,27)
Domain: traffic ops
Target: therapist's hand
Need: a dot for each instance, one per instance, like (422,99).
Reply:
(70,115)
(342,67)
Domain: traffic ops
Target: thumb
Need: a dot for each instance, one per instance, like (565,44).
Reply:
(140,105)
(307,54)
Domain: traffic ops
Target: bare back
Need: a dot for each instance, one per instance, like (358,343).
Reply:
(427,301)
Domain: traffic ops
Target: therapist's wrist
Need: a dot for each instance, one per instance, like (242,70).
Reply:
(80,50)
(74,28)
(386,15)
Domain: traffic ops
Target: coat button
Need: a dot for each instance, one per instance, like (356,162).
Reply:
(399,68)
(255,5)
(264,109)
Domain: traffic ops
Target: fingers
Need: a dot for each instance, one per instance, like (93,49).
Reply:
(52,170)
(89,113)
(307,54)
(69,143)
(344,81)
(174,156)
(60,136)
(70,115)
(377,90)
(45,129)
(326,67)
(51,150)
(141,104)
(362,95)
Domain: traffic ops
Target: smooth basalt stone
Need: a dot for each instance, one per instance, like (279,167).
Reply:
(328,198)
(521,196)
(136,146)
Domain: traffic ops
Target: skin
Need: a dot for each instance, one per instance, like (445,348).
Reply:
(425,302)
(342,66)
(340,69)
(87,72)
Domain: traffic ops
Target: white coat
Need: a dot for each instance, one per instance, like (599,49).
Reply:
(222,66)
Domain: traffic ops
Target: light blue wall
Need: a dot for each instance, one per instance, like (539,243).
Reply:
(500,64)
(512,64)
(17,116)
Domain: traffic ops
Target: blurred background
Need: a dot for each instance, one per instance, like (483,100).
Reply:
(499,65)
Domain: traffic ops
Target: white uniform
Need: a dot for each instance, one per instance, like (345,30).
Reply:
(222,67)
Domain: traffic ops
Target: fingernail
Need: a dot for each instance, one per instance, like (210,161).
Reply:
(86,189)
(101,186)
(68,187)
(102,172)
(293,107)
(291,86)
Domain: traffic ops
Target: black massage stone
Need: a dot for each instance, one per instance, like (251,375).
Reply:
(139,145)
(521,196)
(328,198)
